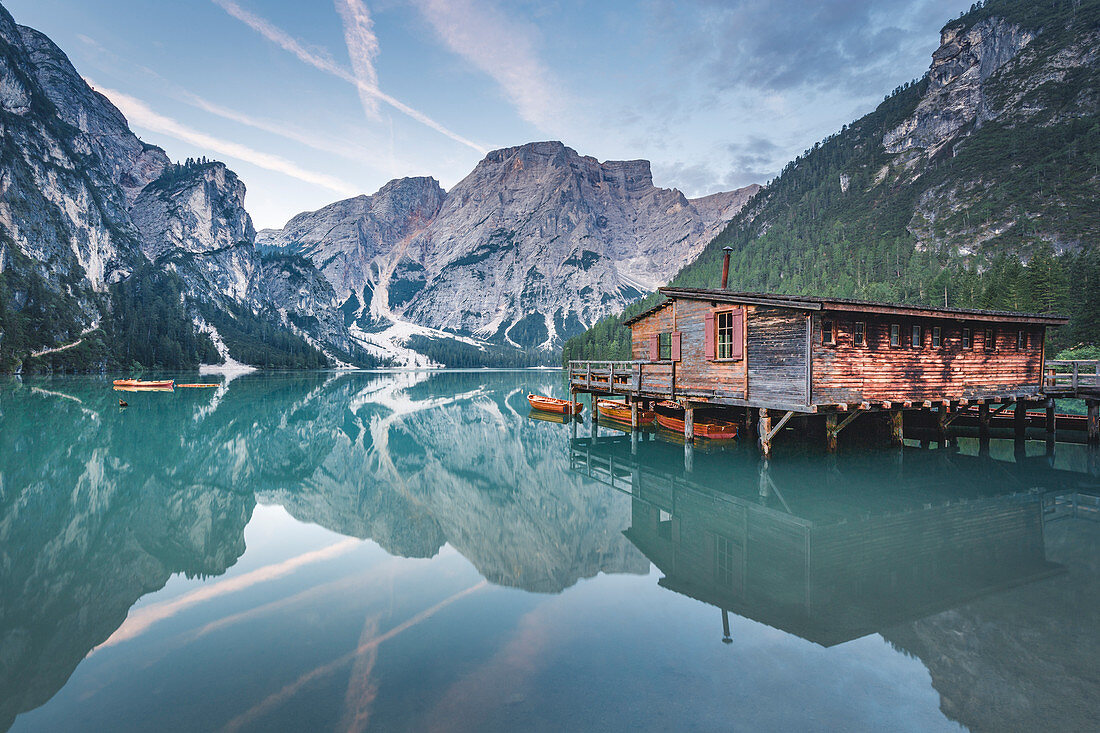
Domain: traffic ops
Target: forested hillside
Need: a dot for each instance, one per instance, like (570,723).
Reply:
(977,185)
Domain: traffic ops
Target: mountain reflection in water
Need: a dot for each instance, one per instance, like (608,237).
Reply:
(981,566)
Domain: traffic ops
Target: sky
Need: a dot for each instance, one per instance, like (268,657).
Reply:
(311,101)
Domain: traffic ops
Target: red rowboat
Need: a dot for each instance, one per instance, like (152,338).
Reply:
(621,412)
(553,404)
(703,426)
(139,383)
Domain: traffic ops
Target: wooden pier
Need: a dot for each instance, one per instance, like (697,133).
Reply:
(777,361)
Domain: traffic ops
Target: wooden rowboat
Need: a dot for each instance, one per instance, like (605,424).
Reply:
(621,412)
(703,426)
(139,383)
(144,389)
(553,404)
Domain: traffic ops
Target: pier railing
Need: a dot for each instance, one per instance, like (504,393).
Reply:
(1072,375)
(621,376)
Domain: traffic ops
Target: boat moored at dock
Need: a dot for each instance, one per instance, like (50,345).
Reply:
(555,405)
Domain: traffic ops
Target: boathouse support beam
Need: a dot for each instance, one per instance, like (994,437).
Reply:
(833,428)
(1019,422)
(983,421)
(689,423)
(1093,421)
(779,426)
(633,413)
(1052,422)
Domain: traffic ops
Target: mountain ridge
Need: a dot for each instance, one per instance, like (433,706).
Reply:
(535,244)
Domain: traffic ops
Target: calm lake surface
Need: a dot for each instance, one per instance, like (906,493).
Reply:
(412,551)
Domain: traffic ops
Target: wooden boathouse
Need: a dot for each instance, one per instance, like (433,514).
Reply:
(769,358)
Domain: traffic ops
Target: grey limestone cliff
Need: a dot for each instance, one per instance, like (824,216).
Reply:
(535,244)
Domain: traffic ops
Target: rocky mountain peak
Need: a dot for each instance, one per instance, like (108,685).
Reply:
(535,244)
(132,164)
(192,208)
(967,57)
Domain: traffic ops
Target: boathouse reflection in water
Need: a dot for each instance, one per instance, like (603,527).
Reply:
(831,553)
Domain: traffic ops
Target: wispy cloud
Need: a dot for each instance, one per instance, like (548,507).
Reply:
(503,48)
(343,148)
(362,49)
(323,62)
(140,114)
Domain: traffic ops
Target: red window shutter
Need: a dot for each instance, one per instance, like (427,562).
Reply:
(708,336)
(738,332)
(676,346)
(654,347)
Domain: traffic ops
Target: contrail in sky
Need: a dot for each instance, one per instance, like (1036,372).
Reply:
(140,114)
(363,48)
(326,64)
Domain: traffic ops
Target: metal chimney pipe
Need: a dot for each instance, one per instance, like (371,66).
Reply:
(726,266)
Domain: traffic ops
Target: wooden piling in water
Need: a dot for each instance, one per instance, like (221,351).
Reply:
(765,432)
(830,432)
(897,428)
(689,424)
(1093,421)
(1020,419)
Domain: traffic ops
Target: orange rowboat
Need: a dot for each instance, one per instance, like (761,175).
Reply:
(703,427)
(553,404)
(165,383)
(621,412)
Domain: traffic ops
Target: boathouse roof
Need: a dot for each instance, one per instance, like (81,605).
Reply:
(811,303)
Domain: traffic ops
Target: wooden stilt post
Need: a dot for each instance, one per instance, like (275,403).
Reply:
(1094,421)
(689,456)
(983,421)
(1052,422)
(1019,423)
(633,412)
(897,428)
(633,442)
(941,423)
(689,424)
(830,432)
(765,431)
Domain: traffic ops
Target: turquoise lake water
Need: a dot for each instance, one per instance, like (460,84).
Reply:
(413,551)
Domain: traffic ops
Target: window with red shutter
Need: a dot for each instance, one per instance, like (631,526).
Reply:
(708,335)
(738,333)
(676,346)
(654,347)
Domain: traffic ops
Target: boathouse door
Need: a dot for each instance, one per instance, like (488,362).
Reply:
(776,355)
